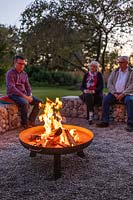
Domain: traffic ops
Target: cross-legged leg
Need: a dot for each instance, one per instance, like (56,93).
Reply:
(35,110)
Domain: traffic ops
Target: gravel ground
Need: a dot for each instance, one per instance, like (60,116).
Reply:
(106,172)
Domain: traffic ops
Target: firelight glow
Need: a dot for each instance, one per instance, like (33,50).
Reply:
(54,130)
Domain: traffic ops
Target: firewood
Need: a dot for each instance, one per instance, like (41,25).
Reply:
(35,137)
(70,138)
(58,131)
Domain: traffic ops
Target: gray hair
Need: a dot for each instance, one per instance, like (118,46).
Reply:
(124,58)
(94,63)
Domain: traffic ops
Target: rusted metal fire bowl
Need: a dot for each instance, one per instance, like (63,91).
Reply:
(85,137)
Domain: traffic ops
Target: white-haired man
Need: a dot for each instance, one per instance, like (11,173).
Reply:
(120,86)
(92,88)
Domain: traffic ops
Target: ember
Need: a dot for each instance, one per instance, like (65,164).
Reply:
(55,135)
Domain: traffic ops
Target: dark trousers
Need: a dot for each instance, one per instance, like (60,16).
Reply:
(110,99)
(91,100)
(23,105)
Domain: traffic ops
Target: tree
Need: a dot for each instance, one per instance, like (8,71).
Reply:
(8,46)
(100,19)
(50,40)
(60,32)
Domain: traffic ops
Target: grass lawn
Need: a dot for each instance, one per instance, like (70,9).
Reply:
(53,92)
(50,92)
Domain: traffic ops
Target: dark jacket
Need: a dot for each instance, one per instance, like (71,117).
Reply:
(99,87)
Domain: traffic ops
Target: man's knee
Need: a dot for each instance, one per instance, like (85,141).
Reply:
(129,100)
(36,101)
(109,99)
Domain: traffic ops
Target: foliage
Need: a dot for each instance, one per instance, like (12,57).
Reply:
(100,20)
(47,38)
(39,76)
(58,33)
(8,41)
(63,35)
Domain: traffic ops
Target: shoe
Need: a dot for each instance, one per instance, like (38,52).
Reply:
(102,125)
(90,122)
(129,128)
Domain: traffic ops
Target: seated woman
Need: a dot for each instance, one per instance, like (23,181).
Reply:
(92,88)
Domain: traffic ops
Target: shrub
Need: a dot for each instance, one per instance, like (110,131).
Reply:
(39,76)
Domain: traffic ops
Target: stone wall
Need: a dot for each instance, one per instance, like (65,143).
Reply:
(9,117)
(73,106)
(119,113)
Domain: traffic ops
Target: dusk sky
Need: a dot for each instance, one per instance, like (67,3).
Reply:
(10,11)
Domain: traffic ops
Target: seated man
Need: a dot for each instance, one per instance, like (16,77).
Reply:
(19,90)
(120,86)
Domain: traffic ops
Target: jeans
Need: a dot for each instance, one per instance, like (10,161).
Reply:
(110,99)
(23,105)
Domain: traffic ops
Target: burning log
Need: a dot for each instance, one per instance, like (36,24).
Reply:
(58,131)
(54,139)
(70,138)
(54,134)
(35,137)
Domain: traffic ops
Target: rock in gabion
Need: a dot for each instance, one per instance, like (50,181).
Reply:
(9,117)
(119,113)
(73,106)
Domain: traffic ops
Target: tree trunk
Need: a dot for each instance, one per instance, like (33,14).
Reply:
(99,46)
(103,54)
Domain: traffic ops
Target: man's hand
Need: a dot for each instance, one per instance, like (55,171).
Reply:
(116,95)
(119,97)
(28,98)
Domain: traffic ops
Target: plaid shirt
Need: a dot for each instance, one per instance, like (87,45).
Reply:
(17,83)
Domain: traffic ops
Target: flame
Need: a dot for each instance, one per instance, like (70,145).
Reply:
(52,123)
(51,117)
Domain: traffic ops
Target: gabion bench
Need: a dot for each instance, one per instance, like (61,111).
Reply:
(9,114)
(73,106)
(9,117)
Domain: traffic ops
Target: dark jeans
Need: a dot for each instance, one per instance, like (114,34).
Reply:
(23,105)
(110,100)
(91,100)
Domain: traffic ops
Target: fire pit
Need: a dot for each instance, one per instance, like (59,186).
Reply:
(55,138)
(85,138)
